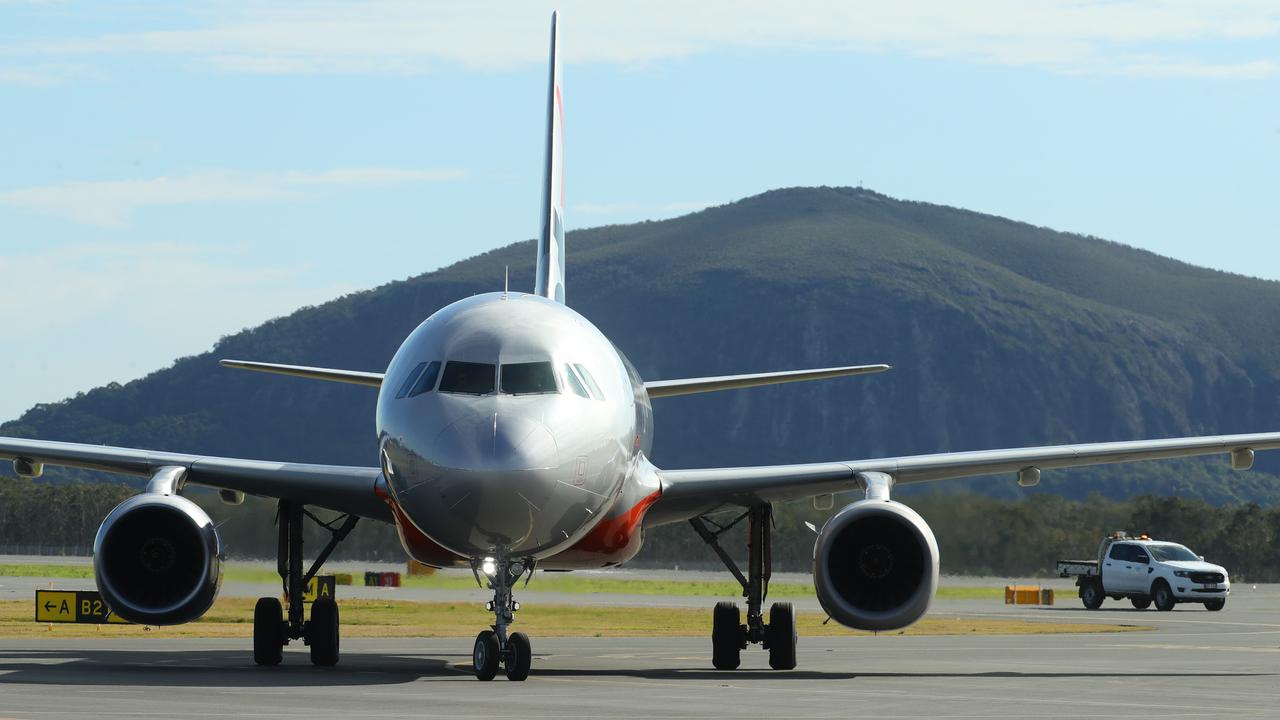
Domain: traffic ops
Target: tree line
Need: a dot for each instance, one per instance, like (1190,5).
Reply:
(977,535)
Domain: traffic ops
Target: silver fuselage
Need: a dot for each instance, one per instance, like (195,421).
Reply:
(515,475)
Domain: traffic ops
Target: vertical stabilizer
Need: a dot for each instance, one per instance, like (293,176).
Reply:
(550,276)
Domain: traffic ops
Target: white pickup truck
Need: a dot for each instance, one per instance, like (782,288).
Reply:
(1147,571)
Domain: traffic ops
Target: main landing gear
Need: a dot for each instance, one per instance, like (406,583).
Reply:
(728,635)
(270,632)
(495,647)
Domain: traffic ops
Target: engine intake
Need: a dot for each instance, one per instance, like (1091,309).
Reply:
(158,560)
(875,566)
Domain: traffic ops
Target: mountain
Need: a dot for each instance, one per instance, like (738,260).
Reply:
(1000,333)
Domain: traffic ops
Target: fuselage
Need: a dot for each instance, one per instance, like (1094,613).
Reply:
(509,426)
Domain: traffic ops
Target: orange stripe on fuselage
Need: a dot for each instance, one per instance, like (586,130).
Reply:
(415,542)
(616,539)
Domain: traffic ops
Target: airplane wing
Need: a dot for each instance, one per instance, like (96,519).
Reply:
(336,487)
(689,493)
(689,386)
(354,377)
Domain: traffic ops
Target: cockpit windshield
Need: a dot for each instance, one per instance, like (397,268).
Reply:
(1171,552)
(467,377)
(529,378)
(574,383)
(590,381)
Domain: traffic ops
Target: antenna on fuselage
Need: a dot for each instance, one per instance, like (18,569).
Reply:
(506,280)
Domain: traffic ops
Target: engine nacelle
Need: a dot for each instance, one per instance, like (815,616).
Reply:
(158,560)
(27,468)
(875,566)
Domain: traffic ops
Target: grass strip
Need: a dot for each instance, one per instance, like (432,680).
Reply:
(547,582)
(232,617)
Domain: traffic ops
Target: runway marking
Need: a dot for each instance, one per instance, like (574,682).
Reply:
(1161,618)
(1074,700)
(1233,648)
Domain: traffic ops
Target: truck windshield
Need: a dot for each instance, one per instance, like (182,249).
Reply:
(1165,553)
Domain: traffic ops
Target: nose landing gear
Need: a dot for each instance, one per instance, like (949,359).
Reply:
(494,647)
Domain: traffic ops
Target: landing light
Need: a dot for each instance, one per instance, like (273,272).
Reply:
(488,567)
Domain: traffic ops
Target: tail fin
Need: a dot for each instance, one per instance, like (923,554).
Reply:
(550,276)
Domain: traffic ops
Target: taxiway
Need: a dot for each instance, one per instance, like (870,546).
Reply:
(1194,664)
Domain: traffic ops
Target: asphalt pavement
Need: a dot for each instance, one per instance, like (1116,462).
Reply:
(1193,664)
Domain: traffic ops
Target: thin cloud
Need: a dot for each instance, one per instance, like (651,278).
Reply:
(1172,68)
(101,293)
(46,74)
(113,202)
(397,37)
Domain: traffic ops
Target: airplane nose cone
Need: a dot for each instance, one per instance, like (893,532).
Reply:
(509,464)
(496,442)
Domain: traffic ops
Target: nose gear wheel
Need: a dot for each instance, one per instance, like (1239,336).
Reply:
(495,647)
(485,655)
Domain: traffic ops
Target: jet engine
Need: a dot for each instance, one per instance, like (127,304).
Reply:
(875,566)
(158,560)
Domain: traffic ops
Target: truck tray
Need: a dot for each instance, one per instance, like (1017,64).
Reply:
(1075,568)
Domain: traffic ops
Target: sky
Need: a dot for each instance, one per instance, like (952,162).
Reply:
(171,173)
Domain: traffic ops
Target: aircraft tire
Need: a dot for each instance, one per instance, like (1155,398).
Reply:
(1140,602)
(322,631)
(486,654)
(268,645)
(519,657)
(726,637)
(1214,605)
(782,636)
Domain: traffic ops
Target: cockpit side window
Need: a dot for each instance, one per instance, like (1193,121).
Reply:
(409,380)
(590,381)
(427,379)
(529,378)
(574,383)
(467,377)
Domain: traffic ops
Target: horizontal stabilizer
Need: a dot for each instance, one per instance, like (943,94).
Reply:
(346,376)
(689,386)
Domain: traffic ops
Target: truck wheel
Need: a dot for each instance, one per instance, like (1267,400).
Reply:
(1091,595)
(1163,596)
(1140,602)
(1214,605)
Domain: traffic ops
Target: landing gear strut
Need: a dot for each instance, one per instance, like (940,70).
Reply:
(728,636)
(495,647)
(270,632)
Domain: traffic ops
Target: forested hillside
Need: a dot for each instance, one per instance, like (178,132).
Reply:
(1000,334)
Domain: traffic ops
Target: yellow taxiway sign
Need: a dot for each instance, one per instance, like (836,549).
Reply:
(73,606)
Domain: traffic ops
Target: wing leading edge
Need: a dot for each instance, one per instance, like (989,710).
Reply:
(335,487)
(687,493)
(690,386)
(354,377)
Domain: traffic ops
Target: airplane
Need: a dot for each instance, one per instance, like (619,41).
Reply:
(514,436)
